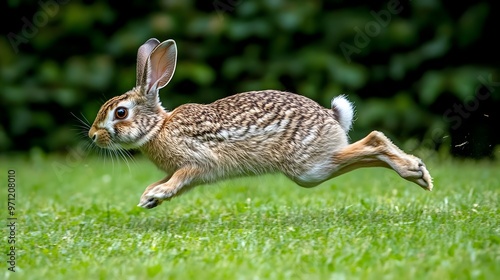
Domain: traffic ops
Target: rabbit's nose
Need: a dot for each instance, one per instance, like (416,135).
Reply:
(93,134)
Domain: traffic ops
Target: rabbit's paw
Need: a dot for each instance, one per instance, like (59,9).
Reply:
(155,197)
(425,180)
(149,202)
(414,170)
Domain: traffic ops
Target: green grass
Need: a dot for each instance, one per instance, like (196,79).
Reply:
(77,219)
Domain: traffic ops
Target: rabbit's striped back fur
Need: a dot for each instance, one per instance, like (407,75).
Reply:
(249,133)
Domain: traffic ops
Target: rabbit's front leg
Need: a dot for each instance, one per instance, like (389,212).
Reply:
(180,181)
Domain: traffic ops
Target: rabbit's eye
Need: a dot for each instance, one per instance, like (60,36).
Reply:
(121,113)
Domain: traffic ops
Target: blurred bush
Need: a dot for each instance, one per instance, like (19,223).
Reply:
(424,72)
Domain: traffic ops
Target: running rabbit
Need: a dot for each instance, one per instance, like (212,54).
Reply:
(245,134)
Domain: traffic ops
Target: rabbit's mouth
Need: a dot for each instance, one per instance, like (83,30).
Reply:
(103,139)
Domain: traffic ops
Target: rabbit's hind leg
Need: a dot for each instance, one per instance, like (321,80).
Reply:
(376,150)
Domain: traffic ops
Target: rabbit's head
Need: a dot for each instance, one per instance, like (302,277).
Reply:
(131,119)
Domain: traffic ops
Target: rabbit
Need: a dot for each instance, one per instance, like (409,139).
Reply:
(249,133)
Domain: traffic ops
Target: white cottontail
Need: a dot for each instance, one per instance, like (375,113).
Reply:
(248,133)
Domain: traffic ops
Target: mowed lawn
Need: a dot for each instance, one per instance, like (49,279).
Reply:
(77,219)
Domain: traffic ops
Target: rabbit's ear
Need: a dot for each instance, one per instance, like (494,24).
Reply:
(142,57)
(160,66)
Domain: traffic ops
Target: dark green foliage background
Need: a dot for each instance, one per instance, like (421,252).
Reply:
(427,75)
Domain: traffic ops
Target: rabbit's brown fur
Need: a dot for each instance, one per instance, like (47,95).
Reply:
(244,134)
(248,133)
